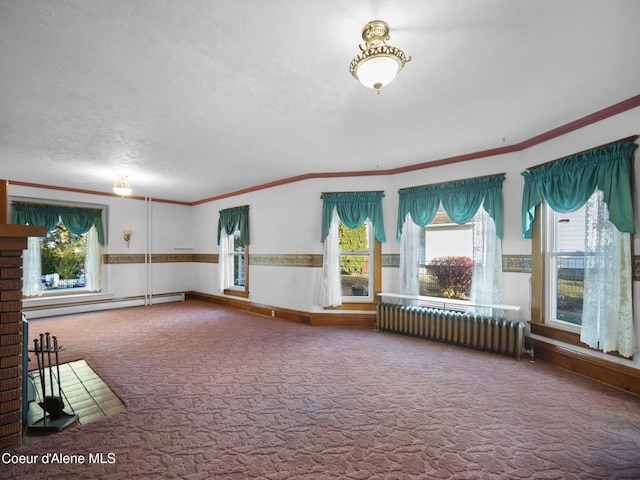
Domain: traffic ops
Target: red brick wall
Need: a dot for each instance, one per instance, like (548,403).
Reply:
(10,348)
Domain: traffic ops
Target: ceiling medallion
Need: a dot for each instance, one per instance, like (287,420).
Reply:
(378,63)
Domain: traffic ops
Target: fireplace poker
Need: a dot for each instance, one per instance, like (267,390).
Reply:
(43,381)
(36,349)
(49,359)
(55,348)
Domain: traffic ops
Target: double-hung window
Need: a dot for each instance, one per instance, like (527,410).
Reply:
(357,265)
(239,253)
(579,212)
(233,256)
(352,232)
(564,264)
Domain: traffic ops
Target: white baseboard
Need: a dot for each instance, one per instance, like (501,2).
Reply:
(79,305)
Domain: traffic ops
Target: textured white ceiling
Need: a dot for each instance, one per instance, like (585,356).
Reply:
(197,98)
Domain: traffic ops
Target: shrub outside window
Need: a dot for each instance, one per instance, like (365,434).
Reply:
(356,261)
(446,265)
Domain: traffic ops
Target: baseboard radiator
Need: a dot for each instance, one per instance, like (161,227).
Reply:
(63,305)
(494,335)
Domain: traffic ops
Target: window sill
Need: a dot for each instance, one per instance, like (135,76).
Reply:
(562,335)
(557,334)
(49,298)
(370,305)
(236,293)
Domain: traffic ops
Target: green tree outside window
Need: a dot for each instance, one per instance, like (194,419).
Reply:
(63,253)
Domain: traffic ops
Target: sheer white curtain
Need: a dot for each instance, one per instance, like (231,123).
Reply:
(225,262)
(93,261)
(486,280)
(607,314)
(331,287)
(410,258)
(32,269)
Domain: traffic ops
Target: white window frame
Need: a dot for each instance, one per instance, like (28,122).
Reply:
(371,267)
(232,254)
(552,221)
(241,256)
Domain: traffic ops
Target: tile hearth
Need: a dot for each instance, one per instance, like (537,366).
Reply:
(83,392)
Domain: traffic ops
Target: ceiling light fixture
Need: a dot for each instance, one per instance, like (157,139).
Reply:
(122,187)
(378,63)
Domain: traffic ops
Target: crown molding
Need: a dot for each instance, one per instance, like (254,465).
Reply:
(590,119)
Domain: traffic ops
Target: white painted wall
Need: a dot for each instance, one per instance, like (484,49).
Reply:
(283,220)
(286,220)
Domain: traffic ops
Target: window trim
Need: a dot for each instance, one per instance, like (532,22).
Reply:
(539,324)
(550,235)
(103,273)
(377,284)
(369,254)
(242,292)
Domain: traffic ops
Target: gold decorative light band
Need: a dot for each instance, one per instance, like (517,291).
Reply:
(385,50)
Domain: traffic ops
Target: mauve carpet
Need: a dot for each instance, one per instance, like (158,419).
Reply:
(216,393)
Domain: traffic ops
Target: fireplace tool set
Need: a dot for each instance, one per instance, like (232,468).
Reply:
(54,417)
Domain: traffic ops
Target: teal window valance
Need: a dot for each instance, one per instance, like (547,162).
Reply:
(354,208)
(232,219)
(568,183)
(460,199)
(78,220)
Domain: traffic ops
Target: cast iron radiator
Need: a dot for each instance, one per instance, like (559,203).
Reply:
(484,333)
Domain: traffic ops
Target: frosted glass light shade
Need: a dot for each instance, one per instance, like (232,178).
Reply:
(376,72)
(122,191)
(122,187)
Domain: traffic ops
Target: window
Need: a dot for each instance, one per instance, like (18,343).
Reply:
(581,271)
(239,259)
(70,257)
(450,241)
(446,251)
(586,263)
(63,259)
(353,257)
(581,280)
(356,262)
(565,247)
(233,257)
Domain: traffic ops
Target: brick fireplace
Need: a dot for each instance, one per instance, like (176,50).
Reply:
(13,239)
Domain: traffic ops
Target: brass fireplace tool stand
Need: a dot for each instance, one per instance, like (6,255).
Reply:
(54,417)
